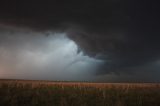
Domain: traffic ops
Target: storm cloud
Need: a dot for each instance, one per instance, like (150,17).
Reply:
(122,34)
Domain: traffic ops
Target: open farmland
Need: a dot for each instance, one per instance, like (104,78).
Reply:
(46,93)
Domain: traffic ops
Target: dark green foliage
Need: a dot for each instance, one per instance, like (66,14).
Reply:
(19,94)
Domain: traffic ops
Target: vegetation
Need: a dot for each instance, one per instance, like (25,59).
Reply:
(41,93)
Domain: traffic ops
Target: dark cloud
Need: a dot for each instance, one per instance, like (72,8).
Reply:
(123,33)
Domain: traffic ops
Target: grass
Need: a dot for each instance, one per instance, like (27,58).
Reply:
(43,93)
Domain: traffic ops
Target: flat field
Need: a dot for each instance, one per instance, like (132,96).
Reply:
(47,93)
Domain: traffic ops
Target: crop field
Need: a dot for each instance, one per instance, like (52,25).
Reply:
(47,93)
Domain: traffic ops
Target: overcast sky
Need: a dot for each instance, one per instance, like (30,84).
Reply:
(85,40)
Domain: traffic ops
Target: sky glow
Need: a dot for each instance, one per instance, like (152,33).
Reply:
(36,56)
